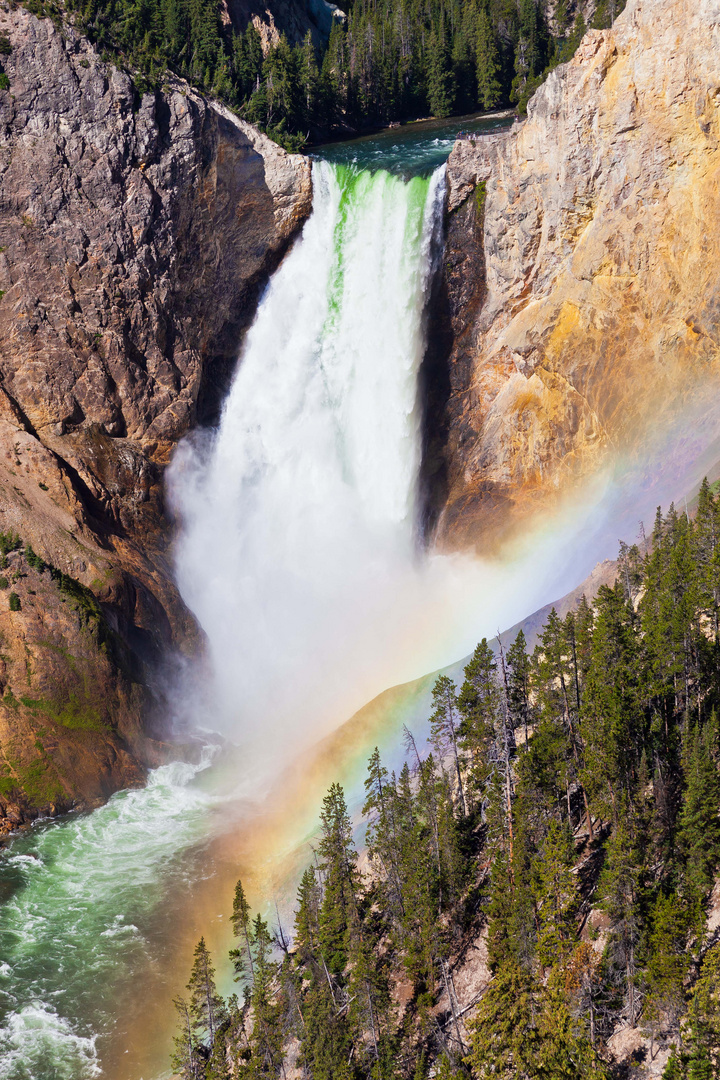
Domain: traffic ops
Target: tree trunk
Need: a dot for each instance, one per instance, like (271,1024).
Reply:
(453,1009)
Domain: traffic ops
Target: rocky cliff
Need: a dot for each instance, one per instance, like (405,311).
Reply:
(135,235)
(581,289)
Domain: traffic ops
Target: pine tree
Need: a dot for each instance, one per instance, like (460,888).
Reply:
(487,63)
(267,1037)
(307,915)
(519,674)
(444,724)
(186,1061)
(620,887)
(425,868)
(206,1007)
(561,1050)
(382,833)
(561,16)
(242,957)
(707,548)
(698,834)
(556,894)
(703,1017)
(613,719)
(309,78)
(464,44)
(339,910)
(441,88)
(480,705)
(668,960)
(503,1036)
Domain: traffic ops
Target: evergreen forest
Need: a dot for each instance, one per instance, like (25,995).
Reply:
(387,61)
(559,831)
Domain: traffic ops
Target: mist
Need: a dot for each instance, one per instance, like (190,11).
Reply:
(298,550)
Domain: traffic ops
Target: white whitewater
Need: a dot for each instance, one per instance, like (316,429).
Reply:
(299,516)
(78,921)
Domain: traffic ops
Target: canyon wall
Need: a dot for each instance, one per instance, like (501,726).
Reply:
(581,284)
(135,235)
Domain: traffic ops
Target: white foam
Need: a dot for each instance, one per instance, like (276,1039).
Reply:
(36,1043)
(71,932)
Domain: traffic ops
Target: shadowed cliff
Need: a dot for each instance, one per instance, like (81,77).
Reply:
(135,236)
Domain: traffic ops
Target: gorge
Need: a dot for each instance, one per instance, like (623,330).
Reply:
(516,354)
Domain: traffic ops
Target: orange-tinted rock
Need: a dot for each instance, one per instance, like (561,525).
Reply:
(599,318)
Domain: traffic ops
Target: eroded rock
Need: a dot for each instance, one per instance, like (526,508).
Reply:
(596,329)
(136,234)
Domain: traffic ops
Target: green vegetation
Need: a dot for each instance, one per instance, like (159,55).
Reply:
(391,60)
(9,541)
(38,780)
(82,598)
(582,776)
(7,783)
(74,713)
(77,710)
(480,195)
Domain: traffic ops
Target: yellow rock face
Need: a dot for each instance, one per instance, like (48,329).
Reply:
(599,326)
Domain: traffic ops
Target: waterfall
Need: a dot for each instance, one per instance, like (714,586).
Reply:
(298,552)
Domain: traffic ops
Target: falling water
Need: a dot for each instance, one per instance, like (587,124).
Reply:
(298,550)
(298,553)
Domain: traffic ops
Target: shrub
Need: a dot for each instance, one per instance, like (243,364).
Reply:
(34,560)
(480,195)
(14,601)
(4,582)
(5,46)
(9,541)
(4,81)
